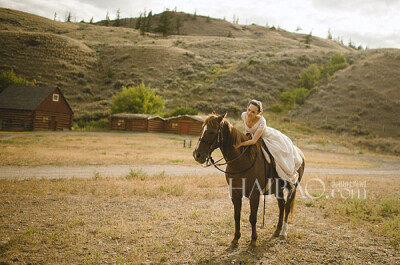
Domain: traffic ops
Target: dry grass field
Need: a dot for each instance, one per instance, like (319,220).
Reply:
(83,149)
(160,219)
(189,220)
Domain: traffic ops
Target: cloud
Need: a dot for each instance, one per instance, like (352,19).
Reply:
(365,7)
(360,20)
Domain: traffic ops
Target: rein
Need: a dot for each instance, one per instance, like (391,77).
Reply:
(210,161)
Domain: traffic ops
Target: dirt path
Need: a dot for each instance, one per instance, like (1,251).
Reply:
(171,170)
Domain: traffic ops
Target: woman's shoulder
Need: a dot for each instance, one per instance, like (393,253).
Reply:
(261,117)
(262,120)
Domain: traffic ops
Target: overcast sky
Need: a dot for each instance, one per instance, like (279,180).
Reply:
(372,23)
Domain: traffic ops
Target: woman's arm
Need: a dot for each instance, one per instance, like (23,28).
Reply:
(252,141)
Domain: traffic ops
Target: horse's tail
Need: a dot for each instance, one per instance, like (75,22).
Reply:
(293,195)
(292,204)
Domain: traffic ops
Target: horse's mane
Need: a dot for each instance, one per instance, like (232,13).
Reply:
(231,135)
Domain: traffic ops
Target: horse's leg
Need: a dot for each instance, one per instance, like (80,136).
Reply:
(289,205)
(254,202)
(237,205)
(281,204)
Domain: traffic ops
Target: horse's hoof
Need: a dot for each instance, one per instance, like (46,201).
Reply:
(276,234)
(283,237)
(253,244)
(234,244)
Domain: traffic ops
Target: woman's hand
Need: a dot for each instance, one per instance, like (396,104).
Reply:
(237,145)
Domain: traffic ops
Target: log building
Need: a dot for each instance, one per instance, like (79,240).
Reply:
(29,108)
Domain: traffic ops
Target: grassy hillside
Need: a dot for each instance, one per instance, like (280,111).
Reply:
(211,65)
(364,98)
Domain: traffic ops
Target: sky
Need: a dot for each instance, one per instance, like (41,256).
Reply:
(369,23)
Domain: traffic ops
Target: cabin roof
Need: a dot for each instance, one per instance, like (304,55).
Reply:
(135,116)
(24,97)
(194,117)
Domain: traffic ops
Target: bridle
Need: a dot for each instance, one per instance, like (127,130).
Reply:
(217,143)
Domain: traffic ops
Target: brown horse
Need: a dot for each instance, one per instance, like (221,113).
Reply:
(247,174)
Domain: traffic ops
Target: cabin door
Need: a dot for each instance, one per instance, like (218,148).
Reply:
(53,123)
(184,128)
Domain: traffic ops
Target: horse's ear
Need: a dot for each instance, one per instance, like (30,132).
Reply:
(221,117)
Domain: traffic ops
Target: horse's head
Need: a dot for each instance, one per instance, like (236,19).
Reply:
(209,139)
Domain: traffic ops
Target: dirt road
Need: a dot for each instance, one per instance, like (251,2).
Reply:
(171,170)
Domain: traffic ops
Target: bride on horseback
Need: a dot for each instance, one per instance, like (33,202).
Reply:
(288,157)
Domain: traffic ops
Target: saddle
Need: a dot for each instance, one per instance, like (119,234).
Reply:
(268,160)
(273,174)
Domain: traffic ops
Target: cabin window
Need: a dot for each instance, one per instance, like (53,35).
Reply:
(174,125)
(56,97)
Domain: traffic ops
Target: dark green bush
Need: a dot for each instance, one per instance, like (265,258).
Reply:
(99,125)
(310,76)
(9,78)
(138,99)
(337,63)
(275,108)
(182,110)
(287,98)
(300,95)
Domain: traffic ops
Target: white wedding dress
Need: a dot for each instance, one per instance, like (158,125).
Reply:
(288,157)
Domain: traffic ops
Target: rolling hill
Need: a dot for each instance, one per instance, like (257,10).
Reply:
(211,65)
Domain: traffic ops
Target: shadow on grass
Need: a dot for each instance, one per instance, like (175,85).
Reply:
(243,254)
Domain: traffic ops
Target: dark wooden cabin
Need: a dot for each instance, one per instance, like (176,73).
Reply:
(27,108)
(184,124)
(137,122)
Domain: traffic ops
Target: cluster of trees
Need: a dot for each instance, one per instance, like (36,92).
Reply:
(309,78)
(143,23)
(141,99)
(340,40)
(10,78)
(168,22)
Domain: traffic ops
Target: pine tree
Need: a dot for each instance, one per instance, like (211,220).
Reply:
(107,19)
(118,20)
(308,38)
(68,17)
(139,21)
(165,23)
(179,24)
(329,34)
(148,22)
(143,26)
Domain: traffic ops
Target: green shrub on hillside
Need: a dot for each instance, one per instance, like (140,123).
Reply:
(275,108)
(295,96)
(138,99)
(310,76)
(9,78)
(182,110)
(300,95)
(337,63)
(287,98)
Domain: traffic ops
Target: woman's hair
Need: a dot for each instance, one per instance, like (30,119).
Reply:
(256,103)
